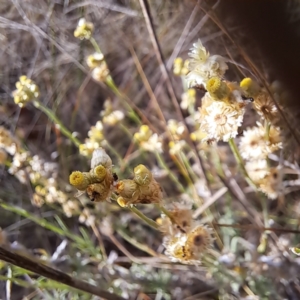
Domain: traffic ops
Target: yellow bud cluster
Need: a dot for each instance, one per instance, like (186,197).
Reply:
(180,67)
(26,91)
(84,30)
(98,182)
(144,134)
(143,188)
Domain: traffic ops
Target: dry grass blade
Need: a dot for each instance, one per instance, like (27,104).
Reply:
(51,273)
(146,12)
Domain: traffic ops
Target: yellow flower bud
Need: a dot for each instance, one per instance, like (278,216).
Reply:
(250,87)
(177,66)
(127,188)
(217,89)
(99,172)
(79,180)
(142,176)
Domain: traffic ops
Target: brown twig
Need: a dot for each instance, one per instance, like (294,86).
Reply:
(51,273)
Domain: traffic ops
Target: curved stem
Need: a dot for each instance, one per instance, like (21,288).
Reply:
(57,122)
(240,162)
(147,220)
(172,176)
(111,84)
(95,45)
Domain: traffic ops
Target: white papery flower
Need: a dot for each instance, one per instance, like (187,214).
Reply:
(176,128)
(154,144)
(113,118)
(202,66)
(177,147)
(221,121)
(188,99)
(257,144)
(271,184)
(257,169)
(253,144)
(95,60)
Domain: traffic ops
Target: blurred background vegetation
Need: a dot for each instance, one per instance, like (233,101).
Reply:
(103,243)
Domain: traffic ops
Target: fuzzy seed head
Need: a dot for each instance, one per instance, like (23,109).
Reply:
(265,107)
(199,239)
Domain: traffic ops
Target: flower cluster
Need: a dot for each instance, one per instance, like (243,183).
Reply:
(180,67)
(263,103)
(41,174)
(94,140)
(98,182)
(188,100)
(7,142)
(148,140)
(143,188)
(185,240)
(84,29)
(255,146)
(222,110)
(202,66)
(26,91)
(97,64)
(111,116)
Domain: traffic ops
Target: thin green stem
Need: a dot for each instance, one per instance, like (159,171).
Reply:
(237,156)
(171,174)
(57,122)
(147,220)
(136,244)
(240,162)
(111,84)
(164,211)
(95,45)
(41,222)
